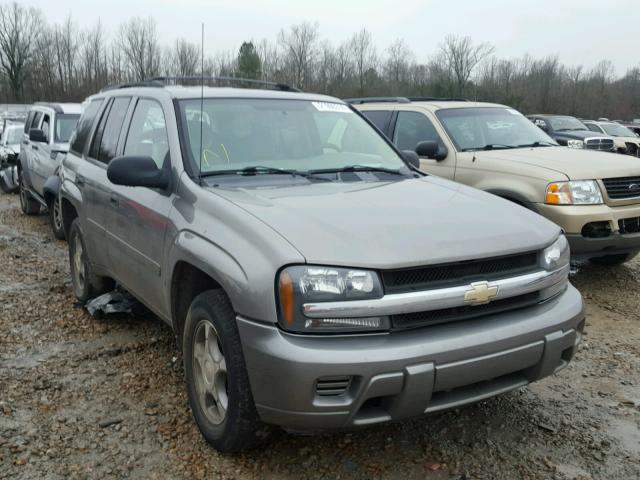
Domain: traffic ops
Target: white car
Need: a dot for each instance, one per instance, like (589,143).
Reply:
(626,141)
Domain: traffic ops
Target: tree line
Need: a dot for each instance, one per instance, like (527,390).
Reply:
(63,62)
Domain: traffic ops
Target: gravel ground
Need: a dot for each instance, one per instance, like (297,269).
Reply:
(104,398)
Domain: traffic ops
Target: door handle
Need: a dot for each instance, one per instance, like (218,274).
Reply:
(113,200)
(79,181)
(35,147)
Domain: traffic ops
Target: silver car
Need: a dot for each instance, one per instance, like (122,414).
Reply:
(313,277)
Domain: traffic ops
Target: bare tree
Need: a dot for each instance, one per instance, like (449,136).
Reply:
(139,44)
(364,56)
(185,58)
(300,45)
(93,59)
(462,57)
(19,27)
(399,57)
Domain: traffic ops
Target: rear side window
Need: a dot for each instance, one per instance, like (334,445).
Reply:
(46,126)
(148,133)
(79,140)
(36,120)
(379,118)
(111,129)
(27,123)
(97,136)
(413,128)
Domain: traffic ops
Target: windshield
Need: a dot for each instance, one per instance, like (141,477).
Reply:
(491,127)
(13,135)
(296,135)
(566,123)
(65,125)
(616,130)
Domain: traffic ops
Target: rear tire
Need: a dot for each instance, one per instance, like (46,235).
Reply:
(5,187)
(86,285)
(28,204)
(216,375)
(55,218)
(613,260)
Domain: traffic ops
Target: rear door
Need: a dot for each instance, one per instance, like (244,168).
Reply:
(138,216)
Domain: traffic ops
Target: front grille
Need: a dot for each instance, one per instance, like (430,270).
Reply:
(332,386)
(629,225)
(622,187)
(459,273)
(434,317)
(604,144)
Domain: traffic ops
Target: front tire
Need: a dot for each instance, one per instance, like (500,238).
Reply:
(86,285)
(216,375)
(613,260)
(28,204)
(55,217)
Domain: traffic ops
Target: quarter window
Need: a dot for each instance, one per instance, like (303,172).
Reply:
(84,127)
(148,133)
(413,128)
(97,136)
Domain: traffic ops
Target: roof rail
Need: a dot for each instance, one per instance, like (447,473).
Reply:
(360,101)
(437,99)
(196,80)
(145,83)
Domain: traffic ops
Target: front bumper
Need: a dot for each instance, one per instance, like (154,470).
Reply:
(574,218)
(406,373)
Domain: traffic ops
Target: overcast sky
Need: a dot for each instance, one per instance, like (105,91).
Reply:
(579,31)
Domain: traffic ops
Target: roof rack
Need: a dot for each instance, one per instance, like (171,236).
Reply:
(359,101)
(437,99)
(196,80)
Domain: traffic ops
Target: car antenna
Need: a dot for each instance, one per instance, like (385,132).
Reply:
(201,100)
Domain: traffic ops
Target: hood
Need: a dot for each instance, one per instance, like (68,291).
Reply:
(574,163)
(394,225)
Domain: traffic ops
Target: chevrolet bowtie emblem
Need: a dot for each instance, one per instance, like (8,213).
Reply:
(480,293)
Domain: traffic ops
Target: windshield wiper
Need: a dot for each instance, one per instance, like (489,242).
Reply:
(538,143)
(491,146)
(262,170)
(358,168)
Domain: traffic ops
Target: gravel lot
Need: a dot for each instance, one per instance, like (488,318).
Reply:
(104,398)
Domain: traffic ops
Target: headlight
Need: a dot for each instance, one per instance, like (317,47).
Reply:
(575,192)
(575,144)
(556,255)
(298,285)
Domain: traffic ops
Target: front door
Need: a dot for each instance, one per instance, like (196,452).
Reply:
(412,128)
(139,215)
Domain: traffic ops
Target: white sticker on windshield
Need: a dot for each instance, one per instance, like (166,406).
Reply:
(513,112)
(331,107)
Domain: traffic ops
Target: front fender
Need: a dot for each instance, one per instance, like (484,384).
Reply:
(51,187)
(213,260)
(514,196)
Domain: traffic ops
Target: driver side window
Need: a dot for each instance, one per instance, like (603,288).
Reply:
(413,128)
(147,134)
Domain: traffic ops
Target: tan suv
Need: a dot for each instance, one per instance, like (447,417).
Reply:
(593,196)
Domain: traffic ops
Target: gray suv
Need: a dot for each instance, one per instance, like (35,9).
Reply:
(313,277)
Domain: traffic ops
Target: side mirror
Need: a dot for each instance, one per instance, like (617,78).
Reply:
(137,171)
(431,149)
(37,135)
(411,158)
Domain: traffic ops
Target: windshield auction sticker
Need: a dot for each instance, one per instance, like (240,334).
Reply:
(331,107)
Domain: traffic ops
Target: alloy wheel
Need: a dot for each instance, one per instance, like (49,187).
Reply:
(210,372)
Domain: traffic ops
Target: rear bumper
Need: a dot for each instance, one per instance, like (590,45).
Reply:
(409,373)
